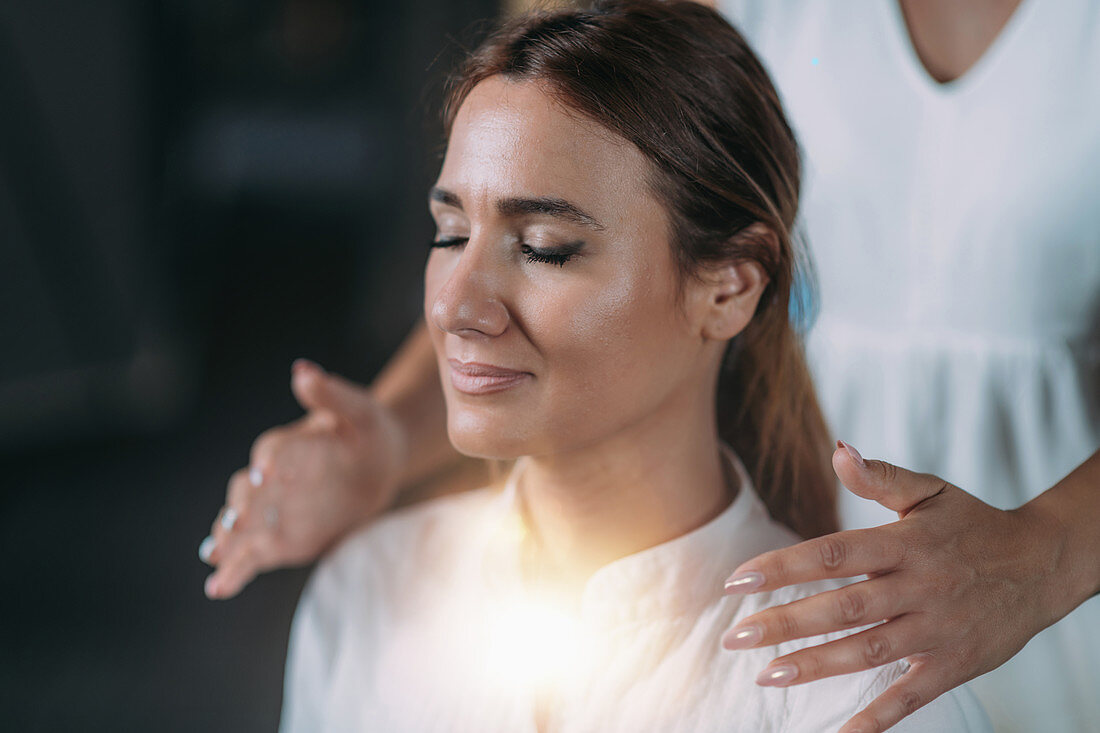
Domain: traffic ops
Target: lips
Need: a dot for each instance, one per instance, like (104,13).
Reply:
(476,379)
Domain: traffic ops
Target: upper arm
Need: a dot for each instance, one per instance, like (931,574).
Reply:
(311,653)
(333,618)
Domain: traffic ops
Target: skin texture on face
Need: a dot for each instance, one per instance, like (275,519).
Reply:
(564,333)
(602,339)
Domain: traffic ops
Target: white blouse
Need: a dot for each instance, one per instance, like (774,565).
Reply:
(423,622)
(956,233)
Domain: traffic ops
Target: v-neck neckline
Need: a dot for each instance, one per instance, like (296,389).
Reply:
(974,76)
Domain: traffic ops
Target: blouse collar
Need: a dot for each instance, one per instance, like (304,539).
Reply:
(681,576)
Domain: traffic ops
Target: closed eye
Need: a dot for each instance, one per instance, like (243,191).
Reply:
(449,242)
(558,258)
(551,257)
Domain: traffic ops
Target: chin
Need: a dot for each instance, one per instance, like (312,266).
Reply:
(478,437)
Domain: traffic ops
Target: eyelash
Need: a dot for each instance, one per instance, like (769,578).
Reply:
(549,258)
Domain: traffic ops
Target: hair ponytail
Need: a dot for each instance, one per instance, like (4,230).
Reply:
(768,413)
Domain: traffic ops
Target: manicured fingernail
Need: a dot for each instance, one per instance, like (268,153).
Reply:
(853,453)
(745,638)
(210,587)
(206,549)
(255,476)
(744,582)
(776,676)
(229,518)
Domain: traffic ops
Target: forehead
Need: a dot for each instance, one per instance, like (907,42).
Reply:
(512,138)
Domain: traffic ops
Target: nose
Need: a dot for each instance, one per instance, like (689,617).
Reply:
(469,301)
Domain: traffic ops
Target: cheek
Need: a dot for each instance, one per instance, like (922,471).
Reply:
(573,319)
(609,347)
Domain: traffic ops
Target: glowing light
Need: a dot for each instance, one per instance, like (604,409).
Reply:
(535,644)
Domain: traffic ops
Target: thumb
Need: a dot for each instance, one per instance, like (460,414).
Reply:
(315,389)
(895,488)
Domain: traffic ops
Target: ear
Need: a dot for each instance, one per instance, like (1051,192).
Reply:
(731,291)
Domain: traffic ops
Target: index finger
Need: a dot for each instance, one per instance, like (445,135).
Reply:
(838,555)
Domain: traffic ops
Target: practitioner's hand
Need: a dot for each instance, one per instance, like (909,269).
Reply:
(307,484)
(961,586)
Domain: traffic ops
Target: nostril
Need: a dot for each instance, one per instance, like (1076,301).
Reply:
(487,317)
(467,309)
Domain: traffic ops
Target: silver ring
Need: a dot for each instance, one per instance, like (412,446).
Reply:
(206,549)
(229,518)
(271,516)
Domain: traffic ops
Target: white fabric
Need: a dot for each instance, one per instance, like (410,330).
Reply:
(956,232)
(409,626)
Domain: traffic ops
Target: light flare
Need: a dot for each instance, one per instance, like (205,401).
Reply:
(536,645)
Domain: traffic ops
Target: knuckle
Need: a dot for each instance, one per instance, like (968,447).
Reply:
(967,657)
(234,477)
(326,421)
(223,549)
(876,650)
(940,485)
(239,487)
(953,579)
(773,567)
(832,552)
(873,724)
(244,558)
(874,718)
(244,517)
(851,608)
(267,445)
(785,626)
(909,701)
(810,666)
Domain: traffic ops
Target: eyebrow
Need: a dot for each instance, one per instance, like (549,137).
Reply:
(541,205)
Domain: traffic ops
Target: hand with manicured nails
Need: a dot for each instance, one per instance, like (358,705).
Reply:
(958,586)
(307,484)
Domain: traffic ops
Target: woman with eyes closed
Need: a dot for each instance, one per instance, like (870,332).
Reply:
(607,297)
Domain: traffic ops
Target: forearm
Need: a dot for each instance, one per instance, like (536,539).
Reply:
(1074,506)
(409,387)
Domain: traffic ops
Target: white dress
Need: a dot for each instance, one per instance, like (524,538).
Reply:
(423,623)
(956,233)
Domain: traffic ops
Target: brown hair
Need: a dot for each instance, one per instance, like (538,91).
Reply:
(676,80)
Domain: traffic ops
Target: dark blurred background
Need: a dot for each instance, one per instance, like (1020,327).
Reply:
(192,194)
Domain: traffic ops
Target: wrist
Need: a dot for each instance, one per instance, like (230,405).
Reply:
(393,435)
(1071,572)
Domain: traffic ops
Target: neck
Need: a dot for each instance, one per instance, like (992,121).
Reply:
(950,37)
(647,484)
